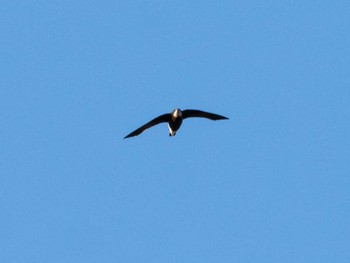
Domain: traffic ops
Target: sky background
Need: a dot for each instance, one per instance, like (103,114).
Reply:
(272,184)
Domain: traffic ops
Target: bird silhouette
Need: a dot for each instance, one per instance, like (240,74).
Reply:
(174,120)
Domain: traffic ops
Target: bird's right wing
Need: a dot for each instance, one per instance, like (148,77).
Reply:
(202,114)
(155,121)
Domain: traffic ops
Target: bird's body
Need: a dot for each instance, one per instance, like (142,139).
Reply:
(174,120)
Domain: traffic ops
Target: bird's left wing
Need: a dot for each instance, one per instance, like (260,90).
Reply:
(202,114)
(155,121)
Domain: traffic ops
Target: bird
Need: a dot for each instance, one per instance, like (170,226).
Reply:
(174,120)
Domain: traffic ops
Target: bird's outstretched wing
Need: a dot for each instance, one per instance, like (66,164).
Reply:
(202,114)
(155,121)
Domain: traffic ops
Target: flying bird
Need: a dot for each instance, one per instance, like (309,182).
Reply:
(174,120)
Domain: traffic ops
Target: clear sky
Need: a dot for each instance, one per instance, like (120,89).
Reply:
(272,184)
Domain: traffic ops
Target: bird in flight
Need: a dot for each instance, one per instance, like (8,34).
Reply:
(174,120)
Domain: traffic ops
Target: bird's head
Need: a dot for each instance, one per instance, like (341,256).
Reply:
(176,113)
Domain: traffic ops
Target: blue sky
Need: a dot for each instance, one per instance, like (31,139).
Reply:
(269,185)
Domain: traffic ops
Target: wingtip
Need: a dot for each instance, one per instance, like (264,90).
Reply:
(223,118)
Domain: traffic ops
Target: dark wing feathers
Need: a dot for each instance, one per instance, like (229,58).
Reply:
(202,114)
(155,121)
